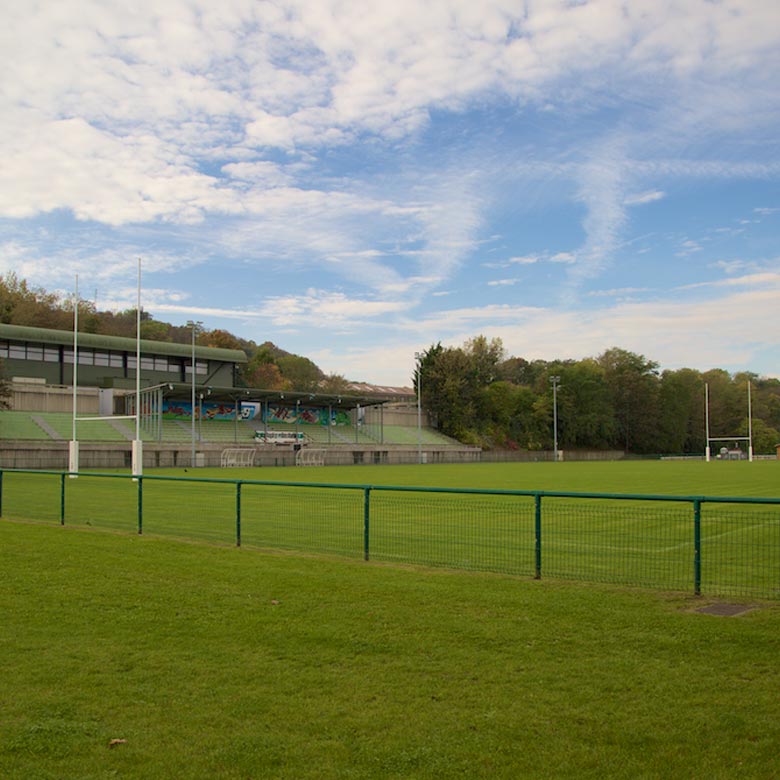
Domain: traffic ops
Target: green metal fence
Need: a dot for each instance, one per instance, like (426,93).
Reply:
(705,544)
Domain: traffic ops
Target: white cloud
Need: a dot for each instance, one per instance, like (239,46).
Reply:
(644,197)
(563,257)
(524,260)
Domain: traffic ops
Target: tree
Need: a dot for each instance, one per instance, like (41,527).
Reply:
(448,392)
(22,305)
(334,384)
(484,357)
(222,339)
(681,422)
(300,372)
(153,330)
(633,386)
(266,376)
(586,417)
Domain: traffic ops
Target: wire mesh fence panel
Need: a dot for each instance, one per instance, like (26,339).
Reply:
(32,496)
(190,509)
(313,519)
(647,541)
(101,502)
(632,543)
(740,550)
(465,531)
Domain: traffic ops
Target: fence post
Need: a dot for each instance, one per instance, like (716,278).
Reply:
(62,499)
(697,546)
(238,514)
(538,534)
(140,504)
(366,517)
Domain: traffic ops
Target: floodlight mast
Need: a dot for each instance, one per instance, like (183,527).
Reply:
(707,451)
(555,381)
(750,427)
(418,365)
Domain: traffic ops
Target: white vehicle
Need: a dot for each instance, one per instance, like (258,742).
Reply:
(279,437)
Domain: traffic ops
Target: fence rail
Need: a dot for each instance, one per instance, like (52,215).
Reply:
(705,544)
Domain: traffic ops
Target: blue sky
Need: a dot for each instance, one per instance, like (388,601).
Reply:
(356,181)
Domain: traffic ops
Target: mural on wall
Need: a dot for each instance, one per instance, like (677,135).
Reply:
(250,410)
(307,415)
(182,410)
(254,410)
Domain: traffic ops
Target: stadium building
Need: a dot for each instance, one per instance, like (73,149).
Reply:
(189,419)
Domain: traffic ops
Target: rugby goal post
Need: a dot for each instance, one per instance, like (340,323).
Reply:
(308,457)
(235,457)
(735,439)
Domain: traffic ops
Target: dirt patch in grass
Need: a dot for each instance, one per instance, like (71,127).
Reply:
(722,609)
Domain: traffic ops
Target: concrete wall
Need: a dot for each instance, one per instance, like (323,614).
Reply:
(98,456)
(33,397)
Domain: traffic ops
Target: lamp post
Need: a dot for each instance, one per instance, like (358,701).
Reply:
(418,364)
(555,381)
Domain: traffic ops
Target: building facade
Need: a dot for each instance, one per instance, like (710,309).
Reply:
(110,361)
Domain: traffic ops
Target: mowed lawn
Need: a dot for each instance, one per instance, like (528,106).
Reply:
(203,661)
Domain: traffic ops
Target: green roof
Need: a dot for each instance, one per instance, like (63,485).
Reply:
(119,343)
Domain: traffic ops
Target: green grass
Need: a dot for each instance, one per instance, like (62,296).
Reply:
(645,543)
(213,662)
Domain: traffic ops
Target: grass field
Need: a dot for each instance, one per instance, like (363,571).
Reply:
(644,543)
(211,662)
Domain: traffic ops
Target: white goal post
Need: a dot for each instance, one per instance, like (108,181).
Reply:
(735,439)
(237,457)
(308,457)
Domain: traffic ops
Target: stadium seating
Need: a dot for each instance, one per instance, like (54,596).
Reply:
(58,426)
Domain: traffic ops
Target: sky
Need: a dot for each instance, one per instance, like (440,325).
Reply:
(357,181)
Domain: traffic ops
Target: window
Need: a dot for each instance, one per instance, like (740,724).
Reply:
(115,360)
(3,349)
(51,354)
(16,351)
(161,364)
(86,357)
(147,363)
(101,358)
(34,352)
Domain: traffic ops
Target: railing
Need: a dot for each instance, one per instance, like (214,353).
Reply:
(705,544)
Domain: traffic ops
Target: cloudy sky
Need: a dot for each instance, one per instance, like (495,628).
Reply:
(356,181)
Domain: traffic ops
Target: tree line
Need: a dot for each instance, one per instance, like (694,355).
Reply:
(617,400)
(268,365)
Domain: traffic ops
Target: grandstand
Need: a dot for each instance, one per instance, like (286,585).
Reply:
(185,416)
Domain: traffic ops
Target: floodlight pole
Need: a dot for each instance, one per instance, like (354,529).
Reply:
(418,365)
(750,427)
(707,452)
(555,381)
